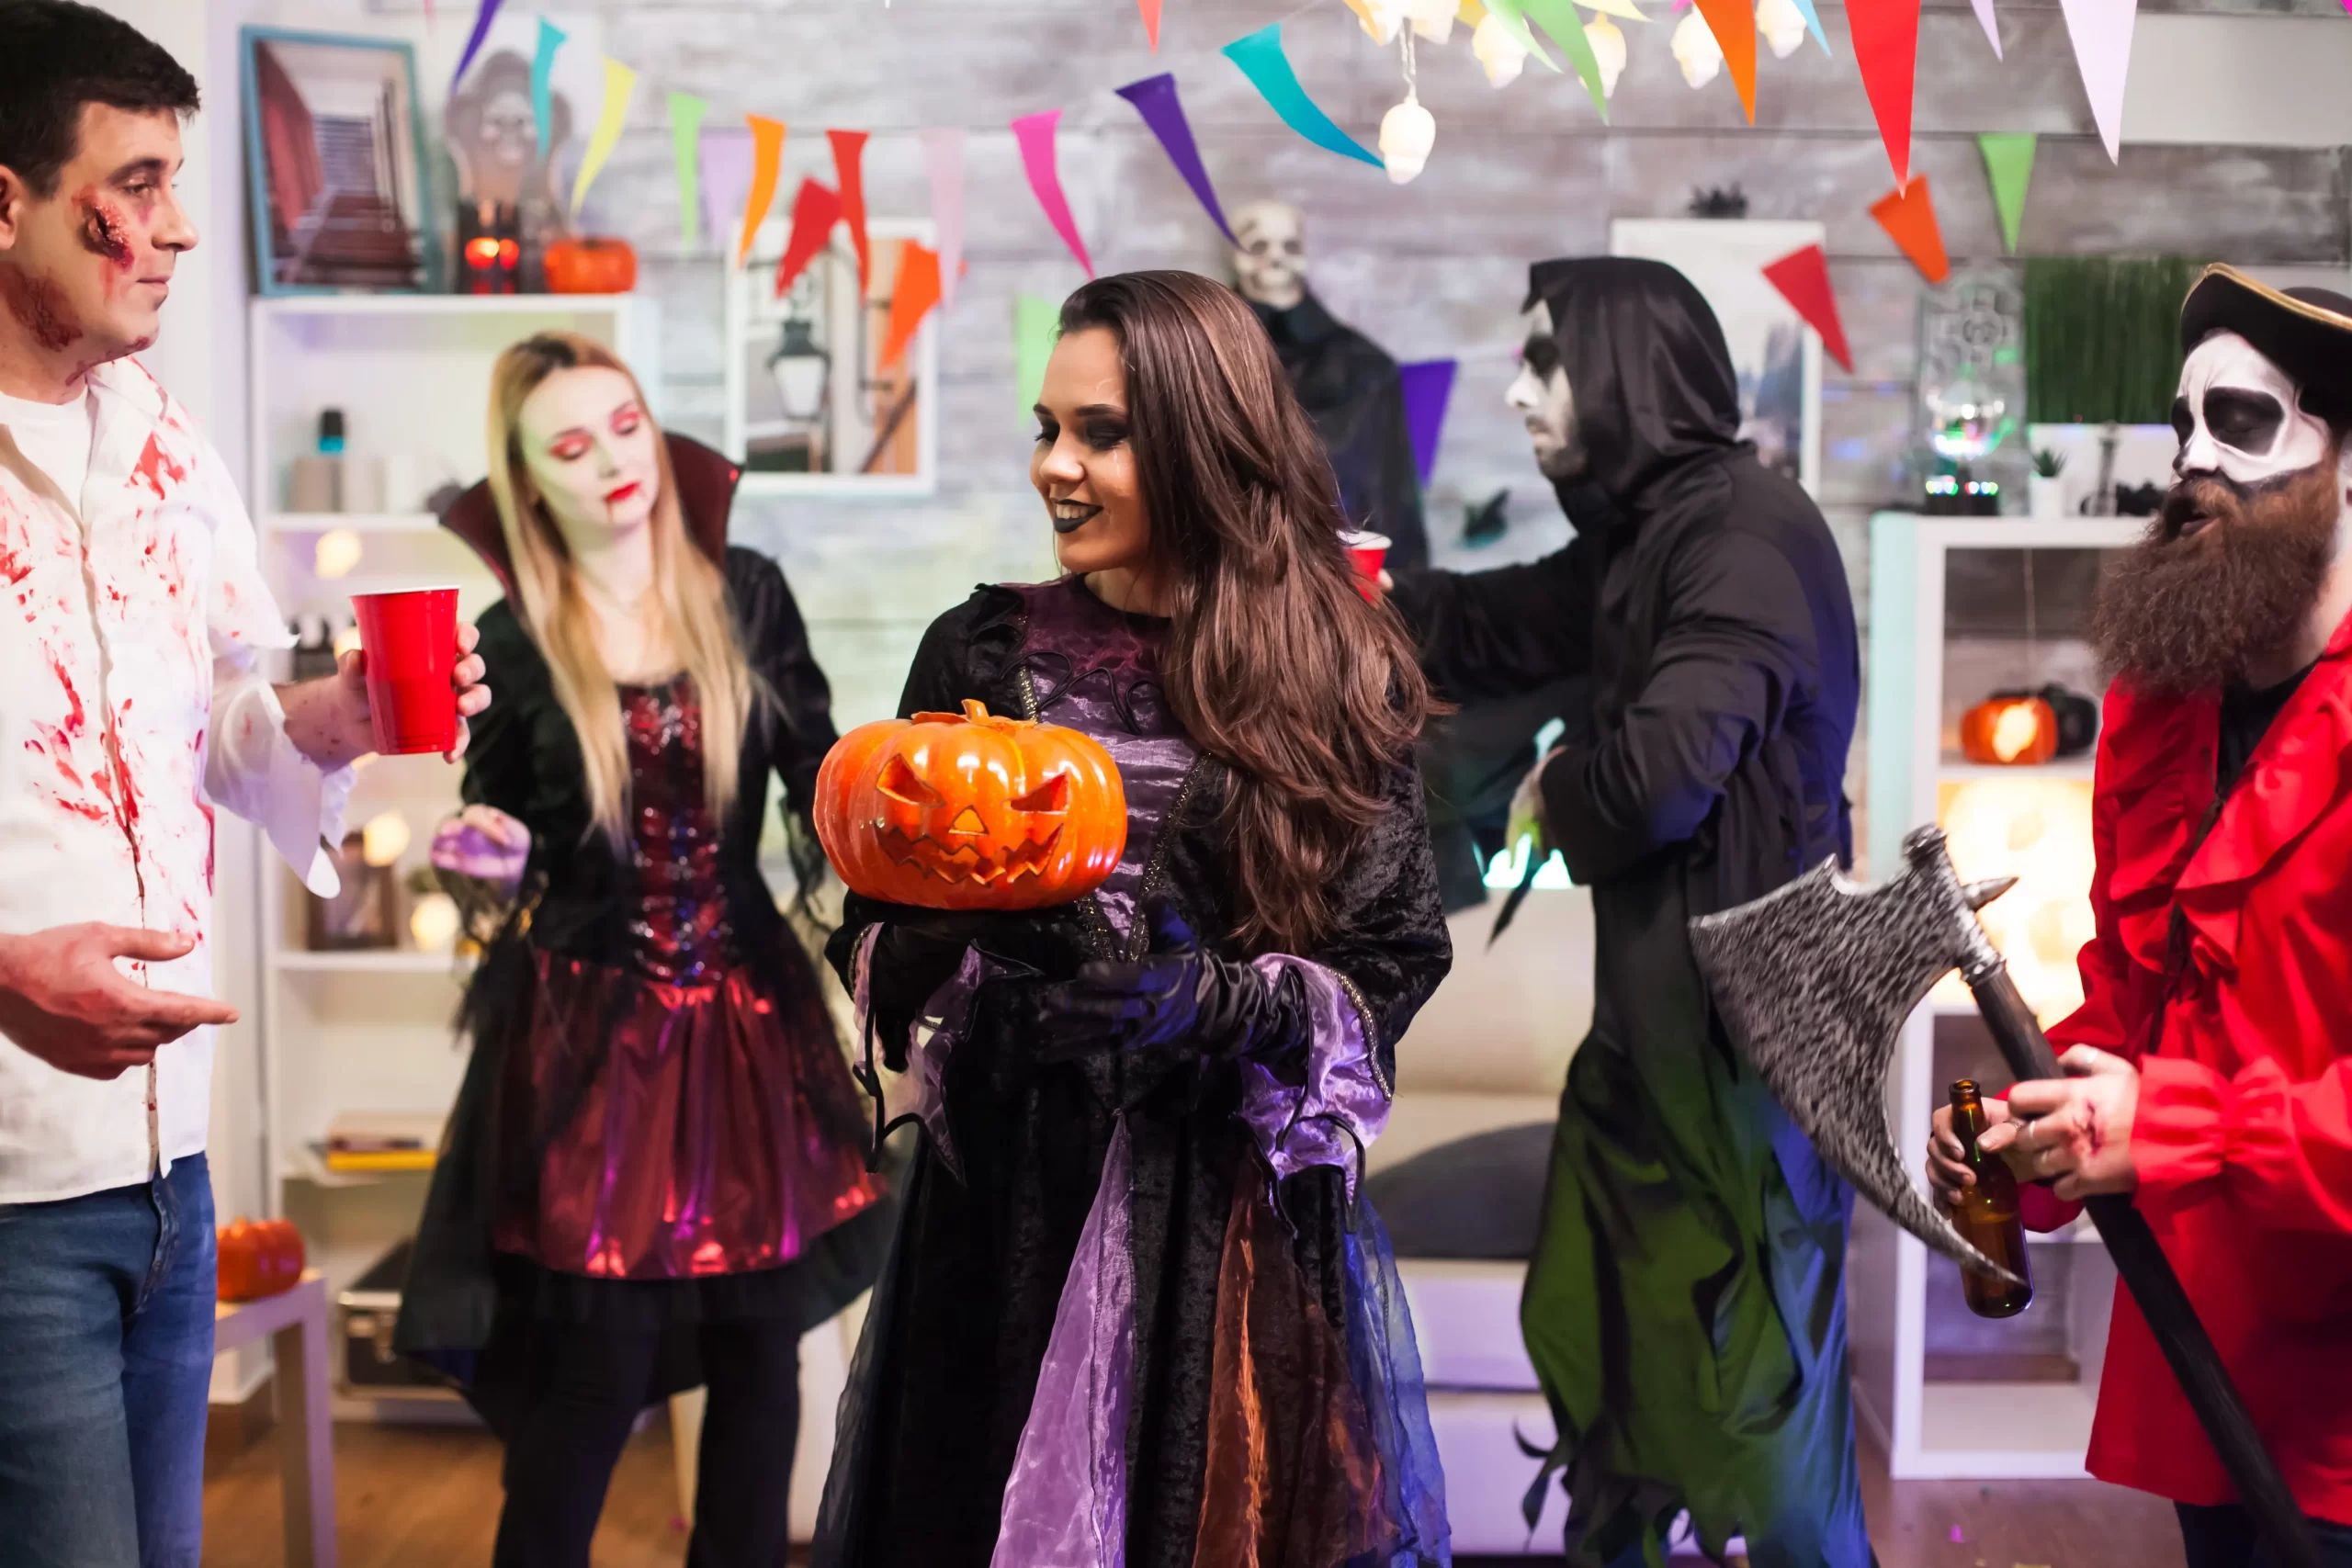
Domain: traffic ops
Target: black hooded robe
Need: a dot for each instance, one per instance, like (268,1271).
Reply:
(1685,1309)
(1350,386)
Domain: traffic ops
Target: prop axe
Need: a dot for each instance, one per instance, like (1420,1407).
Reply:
(1816,981)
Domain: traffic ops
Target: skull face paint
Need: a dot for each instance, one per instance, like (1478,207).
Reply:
(1269,260)
(2240,417)
(1541,396)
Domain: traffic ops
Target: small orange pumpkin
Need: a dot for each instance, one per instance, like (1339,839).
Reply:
(970,811)
(591,265)
(2011,728)
(258,1259)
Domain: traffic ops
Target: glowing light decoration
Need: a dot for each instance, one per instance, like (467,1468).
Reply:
(433,922)
(2037,829)
(337,551)
(385,838)
(1696,51)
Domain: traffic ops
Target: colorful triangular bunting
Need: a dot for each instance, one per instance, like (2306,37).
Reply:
(685,145)
(912,294)
(942,152)
(1513,18)
(1034,132)
(1733,24)
(1427,386)
(1034,323)
(1812,26)
(1802,278)
(542,102)
(1990,23)
(1155,99)
(2008,163)
(767,158)
(2101,31)
(1150,9)
(620,82)
(1562,22)
(814,213)
(1909,218)
(1886,47)
(1261,59)
(849,170)
(483,16)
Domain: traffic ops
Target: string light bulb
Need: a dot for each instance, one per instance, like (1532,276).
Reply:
(1501,55)
(1695,50)
(1409,130)
(1433,19)
(1782,25)
(1607,43)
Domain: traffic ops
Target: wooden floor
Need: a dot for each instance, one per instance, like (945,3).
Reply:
(428,1497)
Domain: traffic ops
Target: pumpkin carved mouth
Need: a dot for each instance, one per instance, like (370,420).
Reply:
(965,862)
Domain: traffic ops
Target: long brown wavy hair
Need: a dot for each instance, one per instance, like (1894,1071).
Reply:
(1275,663)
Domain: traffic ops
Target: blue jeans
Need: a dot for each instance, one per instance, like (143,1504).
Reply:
(2224,1536)
(105,1359)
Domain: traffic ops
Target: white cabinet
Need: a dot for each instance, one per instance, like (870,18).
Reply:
(1962,607)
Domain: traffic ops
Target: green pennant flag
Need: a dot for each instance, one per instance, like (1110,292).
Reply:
(1564,23)
(1034,323)
(685,145)
(2008,163)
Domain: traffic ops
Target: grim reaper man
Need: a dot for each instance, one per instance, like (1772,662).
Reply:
(1685,1307)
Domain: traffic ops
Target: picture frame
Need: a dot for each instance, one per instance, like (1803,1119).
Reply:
(799,429)
(336,170)
(1776,356)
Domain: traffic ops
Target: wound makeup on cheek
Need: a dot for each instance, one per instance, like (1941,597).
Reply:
(104,233)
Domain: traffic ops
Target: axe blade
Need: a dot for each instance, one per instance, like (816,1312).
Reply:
(1815,980)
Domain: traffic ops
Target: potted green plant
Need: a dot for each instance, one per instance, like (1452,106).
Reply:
(2045,488)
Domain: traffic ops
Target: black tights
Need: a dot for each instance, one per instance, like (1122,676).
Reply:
(587,1386)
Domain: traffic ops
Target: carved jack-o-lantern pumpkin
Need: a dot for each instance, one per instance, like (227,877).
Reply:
(970,811)
(2012,728)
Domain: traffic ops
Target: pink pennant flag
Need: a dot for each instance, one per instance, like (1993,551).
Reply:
(942,152)
(1985,19)
(1035,134)
(2101,33)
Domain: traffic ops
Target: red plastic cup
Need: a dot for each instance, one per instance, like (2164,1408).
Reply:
(411,640)
(1367,551)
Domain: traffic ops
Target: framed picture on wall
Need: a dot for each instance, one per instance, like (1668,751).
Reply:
(812,407)
(334,153)
(1776,356)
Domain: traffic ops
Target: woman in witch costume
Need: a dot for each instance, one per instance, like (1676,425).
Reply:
(656,1172)
(1138,1313)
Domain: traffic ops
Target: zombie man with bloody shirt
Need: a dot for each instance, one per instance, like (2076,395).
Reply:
(132,621)
(2210,1068)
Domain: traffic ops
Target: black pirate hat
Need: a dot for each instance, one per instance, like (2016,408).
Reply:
(2307,332)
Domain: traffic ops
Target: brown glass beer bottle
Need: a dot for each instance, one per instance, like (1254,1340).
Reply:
(1987,1215)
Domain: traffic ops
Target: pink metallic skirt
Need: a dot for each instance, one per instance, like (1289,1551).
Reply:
(678,1131)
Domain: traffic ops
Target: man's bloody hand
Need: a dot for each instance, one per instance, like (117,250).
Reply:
(63,998)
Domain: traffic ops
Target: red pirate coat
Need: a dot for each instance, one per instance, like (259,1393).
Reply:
(2243,1138)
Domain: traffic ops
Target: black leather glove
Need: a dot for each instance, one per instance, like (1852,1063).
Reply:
(1177,994)
(910,961)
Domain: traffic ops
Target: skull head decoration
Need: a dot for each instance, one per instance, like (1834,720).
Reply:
(1269,254)
(970,811)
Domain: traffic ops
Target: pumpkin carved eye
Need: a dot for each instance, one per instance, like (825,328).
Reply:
(1050,798)
(900,783)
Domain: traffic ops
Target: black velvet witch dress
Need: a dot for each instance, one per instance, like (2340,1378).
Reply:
(657,1127)
(1133,1317)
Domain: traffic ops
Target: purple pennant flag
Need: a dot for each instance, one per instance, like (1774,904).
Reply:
(1155,99)
(1428,385)
(726,183)
(483,19)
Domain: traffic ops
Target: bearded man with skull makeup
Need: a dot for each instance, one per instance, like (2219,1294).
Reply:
(1685,1308)
(2209,1073)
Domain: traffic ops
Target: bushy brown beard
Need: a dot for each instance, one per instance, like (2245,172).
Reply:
(2178,616)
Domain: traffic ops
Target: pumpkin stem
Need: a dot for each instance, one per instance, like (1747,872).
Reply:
(975,712)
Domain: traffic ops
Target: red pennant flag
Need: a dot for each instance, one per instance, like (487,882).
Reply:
(911,298)
(1733,24)
(1150,9)
(849,153)
(1886,47)
(814,213)
(1910,218)
(1802,278)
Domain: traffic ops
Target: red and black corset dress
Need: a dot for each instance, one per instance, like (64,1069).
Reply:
(686,1113)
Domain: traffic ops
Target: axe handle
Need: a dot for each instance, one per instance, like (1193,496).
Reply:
(2139,1260)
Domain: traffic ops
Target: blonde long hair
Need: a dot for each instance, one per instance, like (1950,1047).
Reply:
(689,594)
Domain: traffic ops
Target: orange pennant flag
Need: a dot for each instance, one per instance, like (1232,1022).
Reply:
(1909,218)
(911,298)
(1150,9)
(1733,24)
(767,158)
(814,213)
(849,176)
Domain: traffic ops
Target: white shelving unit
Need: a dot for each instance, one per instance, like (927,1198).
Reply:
(371,1030)
(1921,677)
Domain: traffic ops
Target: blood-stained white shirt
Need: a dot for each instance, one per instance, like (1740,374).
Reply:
(133,618)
